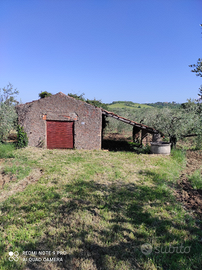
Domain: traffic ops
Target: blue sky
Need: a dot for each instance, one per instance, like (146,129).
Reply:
(111,50)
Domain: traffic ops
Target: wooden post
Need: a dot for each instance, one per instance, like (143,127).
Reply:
(144,134)
(136,134)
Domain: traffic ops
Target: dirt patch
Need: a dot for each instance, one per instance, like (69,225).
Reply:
(19,186)
(191,198)
(5,178)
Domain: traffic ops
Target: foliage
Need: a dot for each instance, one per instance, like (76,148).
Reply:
(8,95)
(8,115)
(22,139)
(80,97)
(44,94)
(197,68)
(200,93)
(97,103)
(198,142)
(8,120)
(174,123)
(94,102)
(171,105)
(139,148)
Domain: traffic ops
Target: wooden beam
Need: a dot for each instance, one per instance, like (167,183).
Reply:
(130,122)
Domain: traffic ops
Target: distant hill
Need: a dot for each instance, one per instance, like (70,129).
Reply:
(127,105)
(132,105)
(171,105)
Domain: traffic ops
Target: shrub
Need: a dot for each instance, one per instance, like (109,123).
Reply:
(44,94)
(22,139)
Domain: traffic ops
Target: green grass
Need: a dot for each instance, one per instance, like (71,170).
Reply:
(99,207)
(6,150)
(19,171)
(196,179)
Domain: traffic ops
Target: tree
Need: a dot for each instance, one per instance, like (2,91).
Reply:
(197,67)
(198,70)
(174,123)
(8,115)
(44,94)
(8,94)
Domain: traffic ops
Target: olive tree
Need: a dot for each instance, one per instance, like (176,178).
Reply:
(175,123)
(8,115)
(197,68)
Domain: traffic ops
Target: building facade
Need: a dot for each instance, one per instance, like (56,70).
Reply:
(60,121)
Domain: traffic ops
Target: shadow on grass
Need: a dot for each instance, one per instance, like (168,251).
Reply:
(107,224)
(124,145)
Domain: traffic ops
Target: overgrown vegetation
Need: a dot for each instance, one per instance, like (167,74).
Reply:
(44,94)
(22,139)
(94,102)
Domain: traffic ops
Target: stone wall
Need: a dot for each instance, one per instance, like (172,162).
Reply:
(87,120)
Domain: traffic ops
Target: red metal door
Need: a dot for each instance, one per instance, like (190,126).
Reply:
(60,135)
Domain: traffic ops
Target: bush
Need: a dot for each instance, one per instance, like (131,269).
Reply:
(139,148)
(44,94)
(22,139)
(8,119)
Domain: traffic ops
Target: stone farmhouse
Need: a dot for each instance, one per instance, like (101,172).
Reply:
(60,121)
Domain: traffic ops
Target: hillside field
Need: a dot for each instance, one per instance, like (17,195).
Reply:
(126,105)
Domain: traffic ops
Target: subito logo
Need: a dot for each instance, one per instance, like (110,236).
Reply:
(13,256)
(146,249)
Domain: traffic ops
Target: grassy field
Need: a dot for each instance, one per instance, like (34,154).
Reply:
(127,105)
(97,207)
